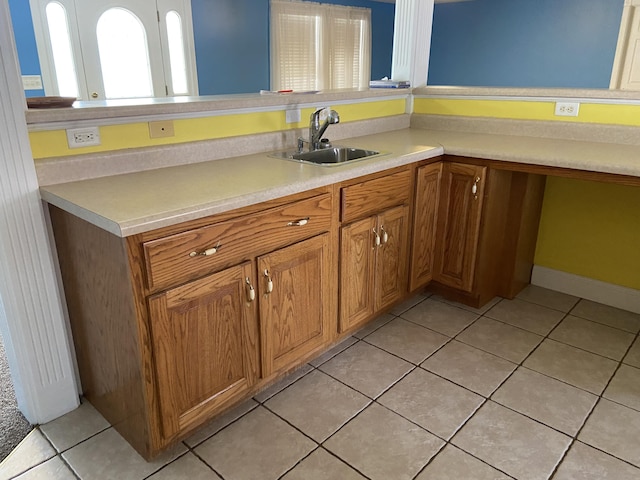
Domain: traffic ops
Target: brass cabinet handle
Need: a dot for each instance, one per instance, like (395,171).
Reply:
(206,253)
(298,223)
(251,293)
(385,235)
(267,276)
(474,188)
(376,240)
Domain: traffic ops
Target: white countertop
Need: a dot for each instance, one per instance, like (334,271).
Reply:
(138,202)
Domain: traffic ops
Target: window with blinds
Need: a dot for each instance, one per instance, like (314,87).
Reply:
(319,47)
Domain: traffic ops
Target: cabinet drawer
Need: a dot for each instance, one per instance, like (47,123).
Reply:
(372,196)
(188,255)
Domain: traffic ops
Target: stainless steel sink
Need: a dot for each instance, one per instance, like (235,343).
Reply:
(328,156)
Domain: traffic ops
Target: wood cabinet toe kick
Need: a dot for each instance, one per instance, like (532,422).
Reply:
(174,326)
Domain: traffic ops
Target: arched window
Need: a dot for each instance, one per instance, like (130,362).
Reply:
(124,55)
(175,39)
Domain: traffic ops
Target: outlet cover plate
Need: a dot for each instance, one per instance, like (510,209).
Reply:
(161,129)
(292,115)
(567,109)
(83,137)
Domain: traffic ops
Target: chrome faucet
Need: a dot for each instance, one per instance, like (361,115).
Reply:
(316,130)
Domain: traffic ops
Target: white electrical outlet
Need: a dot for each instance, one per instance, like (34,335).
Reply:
(567,109)
(292,115)
(31,82)
(83,137)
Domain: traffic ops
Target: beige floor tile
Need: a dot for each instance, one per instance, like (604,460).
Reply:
(607,315)
(367,369)
(477,311)
(407,340)
(581,369)
(614,429)
(318,405)
(53,469)
(187,467)
(594,337)
(218,423)
(409,303)
(511,442)
(383,445)
(624,388)
(74,427)
(283,383)
(440,316)
(529,316)
(321,465)
(504,340)
(373,325)
(333,351)
(633,357)
(586,463)
(108,456)
(432,402)
(547,400)
(474,369)
(259,445)
(454,464)
(32,451)
(548,298)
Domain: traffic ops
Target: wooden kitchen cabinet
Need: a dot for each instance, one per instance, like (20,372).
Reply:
(487,223)
(458,230)
(425,217)
(373,250)
(205,341)
(175,325)
(295,302)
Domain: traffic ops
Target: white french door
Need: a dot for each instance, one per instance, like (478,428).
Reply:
(117,48)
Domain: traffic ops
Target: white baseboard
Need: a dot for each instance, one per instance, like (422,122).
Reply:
(588,288)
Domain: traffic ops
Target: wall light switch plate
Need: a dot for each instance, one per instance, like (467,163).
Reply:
(161,129)
(567,109)
(83,137)
(292,115)
(32,82)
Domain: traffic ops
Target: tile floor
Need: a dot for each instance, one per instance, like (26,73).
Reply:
(543,386)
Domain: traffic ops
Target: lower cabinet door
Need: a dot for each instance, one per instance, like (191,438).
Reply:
(391,259)
(205,346)
(294,288)
(357,272)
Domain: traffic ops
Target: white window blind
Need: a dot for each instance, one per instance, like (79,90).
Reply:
(319,47)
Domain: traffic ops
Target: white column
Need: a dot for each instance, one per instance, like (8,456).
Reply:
(412,41)
(32,321)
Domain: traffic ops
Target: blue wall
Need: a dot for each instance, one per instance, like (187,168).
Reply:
(232,43)
(525,43)
(25,41)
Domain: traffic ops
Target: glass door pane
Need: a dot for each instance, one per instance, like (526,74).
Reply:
(124,56)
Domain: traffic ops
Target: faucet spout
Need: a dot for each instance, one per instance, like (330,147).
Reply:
(316,130)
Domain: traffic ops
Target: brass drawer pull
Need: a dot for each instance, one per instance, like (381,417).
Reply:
(298,223)
(206,253)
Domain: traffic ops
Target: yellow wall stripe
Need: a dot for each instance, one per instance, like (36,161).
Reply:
(612,114)
(45,144)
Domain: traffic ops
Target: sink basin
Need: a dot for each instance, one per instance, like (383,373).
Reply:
(329,156)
